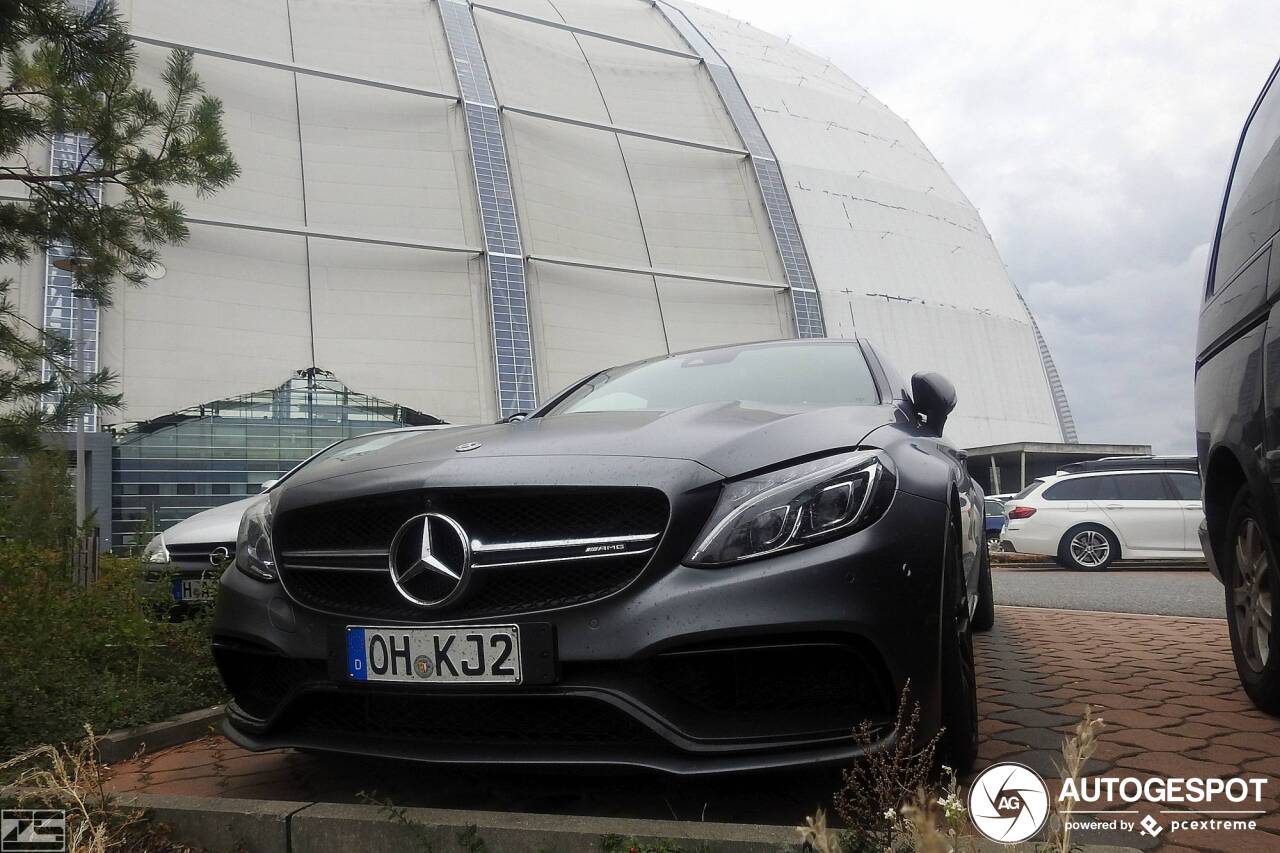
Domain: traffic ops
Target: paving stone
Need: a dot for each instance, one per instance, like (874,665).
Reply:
(1154,740)
(1199,731)
(1031,717)
(1176,764)
(1268,744)
(1226,721)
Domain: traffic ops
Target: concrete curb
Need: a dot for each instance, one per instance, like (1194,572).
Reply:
(279,826)
(123,744)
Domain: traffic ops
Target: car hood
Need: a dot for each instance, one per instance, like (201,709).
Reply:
(217,525)
(728,438)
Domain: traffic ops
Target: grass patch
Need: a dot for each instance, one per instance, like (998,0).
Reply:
(72,655)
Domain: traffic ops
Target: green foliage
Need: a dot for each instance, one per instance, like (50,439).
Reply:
(71,655)
(39,508)
(63,72)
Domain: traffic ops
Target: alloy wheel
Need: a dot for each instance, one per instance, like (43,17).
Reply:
(1251,594)
(1090,548)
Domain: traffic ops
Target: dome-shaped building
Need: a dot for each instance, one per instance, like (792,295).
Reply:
(460,208)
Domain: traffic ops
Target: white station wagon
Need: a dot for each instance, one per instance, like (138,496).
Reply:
(1088,521)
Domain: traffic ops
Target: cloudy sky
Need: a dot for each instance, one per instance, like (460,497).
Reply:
(1094,137)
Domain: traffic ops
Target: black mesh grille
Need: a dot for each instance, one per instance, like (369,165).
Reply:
(260,681)
(798,677)
(488,516)
(538,720)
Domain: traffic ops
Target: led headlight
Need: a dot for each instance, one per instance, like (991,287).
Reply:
(155,553)
(254,554)
(794,507)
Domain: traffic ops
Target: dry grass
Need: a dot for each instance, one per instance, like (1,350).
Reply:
(889,803)
(1076,750)
(878,786)
(71,778)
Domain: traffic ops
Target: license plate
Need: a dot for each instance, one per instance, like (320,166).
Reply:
(488,654)
(194,589)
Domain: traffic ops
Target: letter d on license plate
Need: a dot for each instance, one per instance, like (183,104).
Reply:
(470,653)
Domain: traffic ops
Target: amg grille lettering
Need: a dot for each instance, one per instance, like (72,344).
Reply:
(595,549)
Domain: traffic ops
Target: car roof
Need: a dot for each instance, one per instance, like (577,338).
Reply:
(1057,478)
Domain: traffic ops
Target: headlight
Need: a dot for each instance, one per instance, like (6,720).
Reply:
(254,554)
(155,552)
(794,507)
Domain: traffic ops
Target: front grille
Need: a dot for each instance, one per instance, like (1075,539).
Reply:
(193,556)
(470,720)
(259,680)
(333,557)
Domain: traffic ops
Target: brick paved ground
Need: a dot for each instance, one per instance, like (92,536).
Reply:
(1165,687)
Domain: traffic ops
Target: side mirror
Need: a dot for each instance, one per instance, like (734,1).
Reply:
(515,419)
(266,485)
(934,397)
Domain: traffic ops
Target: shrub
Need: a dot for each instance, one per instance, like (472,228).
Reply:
(71,655)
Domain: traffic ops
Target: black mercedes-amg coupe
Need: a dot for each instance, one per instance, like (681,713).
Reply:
(713,561)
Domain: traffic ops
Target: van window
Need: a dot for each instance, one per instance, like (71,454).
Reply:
(1141,487)
(1186,486)
(1252,212)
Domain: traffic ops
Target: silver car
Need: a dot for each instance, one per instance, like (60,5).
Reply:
(191,555)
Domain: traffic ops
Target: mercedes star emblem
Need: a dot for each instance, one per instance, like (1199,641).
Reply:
(470,445)
(429,559)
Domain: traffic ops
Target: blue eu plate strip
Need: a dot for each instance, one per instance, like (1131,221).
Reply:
(356,665)
(177,589)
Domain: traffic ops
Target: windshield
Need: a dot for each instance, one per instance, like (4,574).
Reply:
(802,375)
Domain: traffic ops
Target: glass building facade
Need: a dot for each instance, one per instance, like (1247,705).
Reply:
(170,468)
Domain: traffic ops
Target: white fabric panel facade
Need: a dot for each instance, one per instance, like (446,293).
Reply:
(230,315)
(891,237)
(382,163)
(899,253)
(701,314)
(255,27)
(402,325)
(581,313)
(387,40)
(260,117)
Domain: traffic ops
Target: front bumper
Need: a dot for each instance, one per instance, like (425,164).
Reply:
(794,652)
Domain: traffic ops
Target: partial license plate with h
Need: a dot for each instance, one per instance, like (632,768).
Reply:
(194,589)
(469,654)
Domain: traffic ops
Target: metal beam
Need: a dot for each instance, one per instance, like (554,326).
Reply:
(655,271)
(625,131)
(347,237)
(559,25)
(294,67)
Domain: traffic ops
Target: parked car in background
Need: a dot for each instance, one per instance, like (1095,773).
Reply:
(1088,521)
(711,561)
(1238,400)
(995,520)
(190,555)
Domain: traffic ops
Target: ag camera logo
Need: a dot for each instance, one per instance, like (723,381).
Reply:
(1009,803)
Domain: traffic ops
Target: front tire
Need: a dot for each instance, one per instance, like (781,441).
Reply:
(958,748)
(1088,548)
(1251,578)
